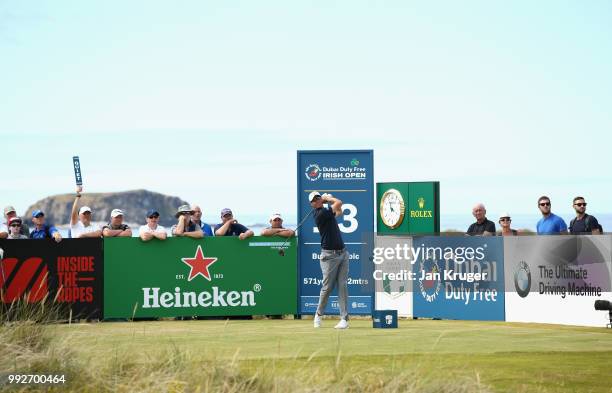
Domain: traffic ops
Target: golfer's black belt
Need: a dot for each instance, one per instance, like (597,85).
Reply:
(334,251)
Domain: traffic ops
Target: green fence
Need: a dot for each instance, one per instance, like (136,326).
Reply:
(218,276)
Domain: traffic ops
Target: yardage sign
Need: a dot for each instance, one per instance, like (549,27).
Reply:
(349,176)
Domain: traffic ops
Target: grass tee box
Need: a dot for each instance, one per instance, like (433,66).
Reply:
(205,277)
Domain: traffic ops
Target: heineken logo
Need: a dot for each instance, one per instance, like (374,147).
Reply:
(199,264)
(155,298)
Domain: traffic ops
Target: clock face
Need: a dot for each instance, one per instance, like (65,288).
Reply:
(392,208)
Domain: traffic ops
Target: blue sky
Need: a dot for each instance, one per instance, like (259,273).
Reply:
(209,101)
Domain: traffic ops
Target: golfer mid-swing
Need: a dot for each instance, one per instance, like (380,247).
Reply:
(334,257)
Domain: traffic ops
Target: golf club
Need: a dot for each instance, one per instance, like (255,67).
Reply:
(281,252)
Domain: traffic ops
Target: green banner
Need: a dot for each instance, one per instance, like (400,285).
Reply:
(217,276)
(423,208)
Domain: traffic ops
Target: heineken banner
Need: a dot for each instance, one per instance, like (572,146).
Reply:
(392,275)
(458,277)
(69,273)
(218,276)
(347,175)
(556,279)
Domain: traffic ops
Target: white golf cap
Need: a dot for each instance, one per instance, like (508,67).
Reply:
(84,209)
(116,212)
(312,195)
(275,215)
(504,215)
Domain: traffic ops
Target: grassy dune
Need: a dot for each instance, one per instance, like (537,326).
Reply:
(289,355)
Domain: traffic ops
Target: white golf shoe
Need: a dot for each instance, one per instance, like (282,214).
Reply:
(343,324)
(317,321)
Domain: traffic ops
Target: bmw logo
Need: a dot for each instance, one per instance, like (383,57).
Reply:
(522,279)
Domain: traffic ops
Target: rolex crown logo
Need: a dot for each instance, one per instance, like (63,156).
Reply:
(421,201)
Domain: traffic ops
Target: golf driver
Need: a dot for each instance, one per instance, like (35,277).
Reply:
(281,252)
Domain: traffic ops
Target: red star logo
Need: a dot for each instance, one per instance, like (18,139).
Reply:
(199,265)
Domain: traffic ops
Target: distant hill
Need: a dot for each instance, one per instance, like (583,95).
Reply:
(133,203)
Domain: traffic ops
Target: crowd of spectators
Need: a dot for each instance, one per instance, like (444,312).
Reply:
(549,224)
(189,224)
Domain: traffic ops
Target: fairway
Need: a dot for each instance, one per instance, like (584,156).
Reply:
(498,356)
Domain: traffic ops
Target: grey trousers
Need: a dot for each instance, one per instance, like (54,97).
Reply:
(334,266)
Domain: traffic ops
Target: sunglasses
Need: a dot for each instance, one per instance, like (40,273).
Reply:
(545,204)
(153,217)
(15,225)
(580,204)
(505,219)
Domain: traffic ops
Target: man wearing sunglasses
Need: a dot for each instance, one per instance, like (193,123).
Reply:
(14,226)
(152,230)
(549,224)
(42,230)
(10,212)
(583,223)
(185,226)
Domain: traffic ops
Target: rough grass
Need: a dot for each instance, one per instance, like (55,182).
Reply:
(289,355)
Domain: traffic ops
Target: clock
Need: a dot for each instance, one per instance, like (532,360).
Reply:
(392,208)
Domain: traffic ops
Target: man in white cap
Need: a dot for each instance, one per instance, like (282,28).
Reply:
(276,227)
(116,227)
(334,259)
(80,223)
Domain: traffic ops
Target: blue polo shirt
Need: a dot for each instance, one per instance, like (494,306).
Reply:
(551,225)
(42,233)
(206,229)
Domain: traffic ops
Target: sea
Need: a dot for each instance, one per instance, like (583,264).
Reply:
(448,222)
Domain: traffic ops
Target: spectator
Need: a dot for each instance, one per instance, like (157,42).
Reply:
(549,224)
(231,227)
(116,227)
(42,230)
(151,230)
(15,229)
(583,223)
(197,219)
(504,222)
(482,226)
(80,224)
(186,227)
(10,212)
(276,227)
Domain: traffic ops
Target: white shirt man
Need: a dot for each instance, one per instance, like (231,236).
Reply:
(151,229)
(80,224)
(276,227)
